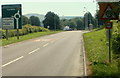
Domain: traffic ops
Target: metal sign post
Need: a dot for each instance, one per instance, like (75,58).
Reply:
(11,18)
(109,11)
(108,26)
(6,34)
(17,16)
(110,59)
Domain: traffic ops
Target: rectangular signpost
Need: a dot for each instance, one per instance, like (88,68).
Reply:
(109,11)
(11,18)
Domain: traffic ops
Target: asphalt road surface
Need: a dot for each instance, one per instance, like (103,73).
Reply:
(58,54)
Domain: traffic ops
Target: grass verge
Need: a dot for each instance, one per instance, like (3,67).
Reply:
(26,37)
(96,47)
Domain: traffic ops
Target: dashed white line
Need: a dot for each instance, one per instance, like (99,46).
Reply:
(34,51)
(12,61)
(45,45)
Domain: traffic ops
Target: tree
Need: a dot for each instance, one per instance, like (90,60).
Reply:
(25,20)
(79,24)
(34,21)
(89,20)
(72,24)
(52,20)
(98,20)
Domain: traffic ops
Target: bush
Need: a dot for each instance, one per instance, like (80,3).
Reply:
(116,38)
(26,30)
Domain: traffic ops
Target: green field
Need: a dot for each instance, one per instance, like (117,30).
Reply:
(96,46)
(26,37)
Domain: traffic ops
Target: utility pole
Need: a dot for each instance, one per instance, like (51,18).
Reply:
(86,18)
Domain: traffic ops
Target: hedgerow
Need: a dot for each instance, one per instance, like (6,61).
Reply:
(116,38)
(25,30)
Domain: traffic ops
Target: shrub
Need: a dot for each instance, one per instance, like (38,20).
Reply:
(116,38)
(26,30)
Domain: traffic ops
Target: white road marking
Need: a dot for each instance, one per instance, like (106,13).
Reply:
(84,59)
(12,61)
(45,45)
(34,51)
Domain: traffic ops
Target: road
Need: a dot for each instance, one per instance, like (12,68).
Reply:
(58,54)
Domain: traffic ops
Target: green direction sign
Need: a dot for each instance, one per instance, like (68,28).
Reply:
(11,16)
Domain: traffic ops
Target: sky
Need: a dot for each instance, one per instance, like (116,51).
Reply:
(59,7)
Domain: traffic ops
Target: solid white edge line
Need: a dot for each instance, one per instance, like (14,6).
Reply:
(12,61)
(45,44)
(34,51)
(84,57)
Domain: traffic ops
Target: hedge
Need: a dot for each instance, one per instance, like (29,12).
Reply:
(116,38)
(25,30)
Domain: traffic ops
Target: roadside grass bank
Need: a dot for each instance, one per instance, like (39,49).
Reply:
(26,37)
(96,47)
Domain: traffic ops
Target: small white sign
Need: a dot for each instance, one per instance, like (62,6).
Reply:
(8,23)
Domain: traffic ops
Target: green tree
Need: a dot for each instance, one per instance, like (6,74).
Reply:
(52,20)
(34,21)
(89,20)
(79,24)
(25,20)
(97,18)
(72,25)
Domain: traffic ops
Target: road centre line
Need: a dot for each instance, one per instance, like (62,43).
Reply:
(12,61)
(45,44)
(34,51)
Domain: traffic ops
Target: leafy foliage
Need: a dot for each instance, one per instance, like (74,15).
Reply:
(34,21)
(116,38)
(52,20)
(75,23)
(97,52)
(89,19)
(26,30)
(25,20)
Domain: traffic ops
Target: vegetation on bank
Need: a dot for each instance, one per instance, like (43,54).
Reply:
(26,37)
(24,31)
(96,46)
(28,32)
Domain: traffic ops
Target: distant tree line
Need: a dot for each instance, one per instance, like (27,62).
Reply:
(75,23)
(53,22)
(33,20)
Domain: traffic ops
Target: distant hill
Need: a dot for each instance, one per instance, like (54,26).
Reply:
(40,16)
(69,17)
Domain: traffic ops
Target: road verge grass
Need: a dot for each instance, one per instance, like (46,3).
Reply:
(96,47)
(26,37)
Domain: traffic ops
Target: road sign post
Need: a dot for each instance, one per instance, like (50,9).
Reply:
(109,11)
(6,34)
(11,17)
(17,16)
(110,59)
(108,25)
